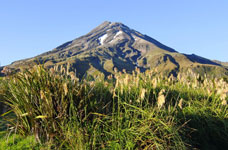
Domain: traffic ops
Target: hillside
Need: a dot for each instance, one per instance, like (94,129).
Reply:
(222,63)
(114,45)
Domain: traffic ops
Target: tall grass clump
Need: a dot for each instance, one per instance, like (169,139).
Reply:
(44,102)
(123,111)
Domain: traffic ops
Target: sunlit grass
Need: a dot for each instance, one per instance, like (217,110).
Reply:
(123,111)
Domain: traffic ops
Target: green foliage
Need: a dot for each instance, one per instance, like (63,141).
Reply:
(139,111)
(18,142)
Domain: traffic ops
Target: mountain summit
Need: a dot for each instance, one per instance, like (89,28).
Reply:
(114,45)
(110,34)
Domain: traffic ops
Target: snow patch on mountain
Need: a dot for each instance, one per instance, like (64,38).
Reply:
(118,33)
(102,38)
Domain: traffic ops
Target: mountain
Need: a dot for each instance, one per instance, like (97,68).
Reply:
(224,64)
(114,45)
(221,63)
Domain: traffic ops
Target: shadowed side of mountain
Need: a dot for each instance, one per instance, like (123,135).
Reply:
(221,63)
(201,60)
(1,74)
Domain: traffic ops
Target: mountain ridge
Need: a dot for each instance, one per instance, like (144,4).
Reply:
(114,45)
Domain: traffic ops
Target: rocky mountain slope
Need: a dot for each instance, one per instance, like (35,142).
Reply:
(114,45)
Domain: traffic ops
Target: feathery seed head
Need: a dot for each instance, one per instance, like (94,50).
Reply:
(154,82)
(162,92)
(126,79)
(142,95)
(223,95)
(161,100)
(224,102)
(180,103)
(65,88)
(42,95)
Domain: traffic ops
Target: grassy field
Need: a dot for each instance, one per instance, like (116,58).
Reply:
(52,109)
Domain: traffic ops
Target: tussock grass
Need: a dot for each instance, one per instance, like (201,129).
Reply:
(124,111)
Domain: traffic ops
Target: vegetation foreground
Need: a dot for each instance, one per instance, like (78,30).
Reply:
(52,109)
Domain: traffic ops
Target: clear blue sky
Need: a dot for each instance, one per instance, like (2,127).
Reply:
(31,27)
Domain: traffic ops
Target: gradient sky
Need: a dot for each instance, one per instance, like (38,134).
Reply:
(31,27)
